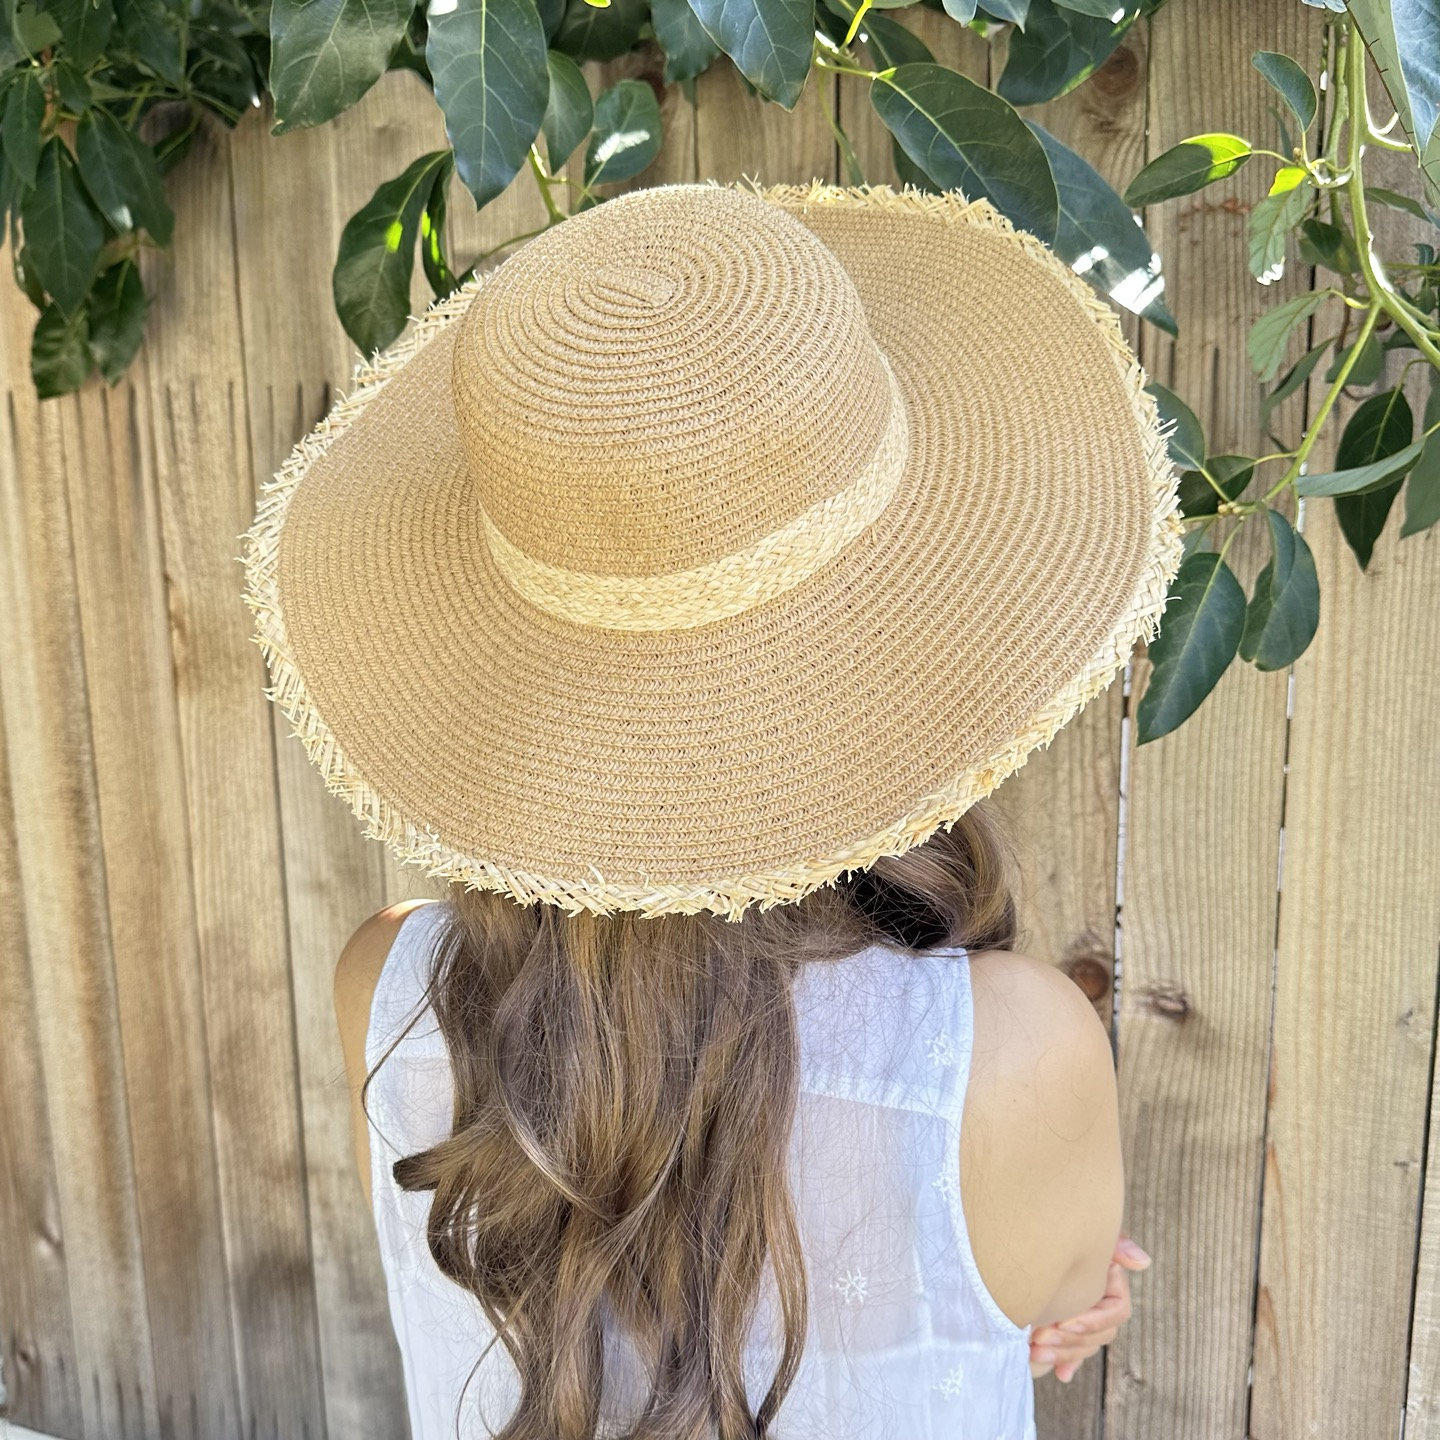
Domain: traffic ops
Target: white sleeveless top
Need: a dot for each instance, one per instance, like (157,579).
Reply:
(904,1340)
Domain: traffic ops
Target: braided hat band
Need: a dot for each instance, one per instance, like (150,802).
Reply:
(715,544)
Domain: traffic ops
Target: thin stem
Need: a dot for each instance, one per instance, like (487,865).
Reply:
(1312,433)
(821,64)
(1382,292)
(543,181)
(855,23)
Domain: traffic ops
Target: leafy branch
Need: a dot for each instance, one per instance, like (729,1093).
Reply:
(1322,203)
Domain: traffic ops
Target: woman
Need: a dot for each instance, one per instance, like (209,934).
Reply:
(677,592)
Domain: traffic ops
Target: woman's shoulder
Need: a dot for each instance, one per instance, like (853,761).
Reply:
(1042,1126)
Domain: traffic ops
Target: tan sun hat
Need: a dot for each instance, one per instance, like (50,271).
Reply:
(716,543)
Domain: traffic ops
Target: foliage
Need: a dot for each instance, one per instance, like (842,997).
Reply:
(1365,307)
(99,98)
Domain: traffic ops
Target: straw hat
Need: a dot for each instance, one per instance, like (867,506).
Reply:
(716,543)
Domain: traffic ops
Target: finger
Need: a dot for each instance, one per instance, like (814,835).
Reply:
(1110,1313)
(1076,1350)
(1131,1255)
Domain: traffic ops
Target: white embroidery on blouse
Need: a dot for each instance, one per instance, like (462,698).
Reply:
(942,1052)
(953,1385)
(948,1186)
(852,1286)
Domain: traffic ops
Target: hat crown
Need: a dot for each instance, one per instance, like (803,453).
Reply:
(663,381)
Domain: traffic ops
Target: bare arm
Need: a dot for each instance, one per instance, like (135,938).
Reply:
(1041,1157)
(356,975)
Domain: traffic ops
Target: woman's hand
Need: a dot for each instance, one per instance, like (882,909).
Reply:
(1063,1346)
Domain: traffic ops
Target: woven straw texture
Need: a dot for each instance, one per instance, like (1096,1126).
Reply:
(717,543)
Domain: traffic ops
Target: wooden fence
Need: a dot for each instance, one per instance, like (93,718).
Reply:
(183,1247)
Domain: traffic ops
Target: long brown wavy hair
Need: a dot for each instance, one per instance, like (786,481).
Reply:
(624,1090)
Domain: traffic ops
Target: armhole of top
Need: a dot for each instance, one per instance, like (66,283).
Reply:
(956,1161)
(389,1014)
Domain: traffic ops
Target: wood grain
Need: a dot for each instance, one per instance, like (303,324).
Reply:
(333,873)
(66,925)
(1354,1027)
(145,842)
(198,414)
(42,1374)
(1204,816)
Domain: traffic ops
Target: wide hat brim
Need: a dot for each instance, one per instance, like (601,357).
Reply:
(1029,545)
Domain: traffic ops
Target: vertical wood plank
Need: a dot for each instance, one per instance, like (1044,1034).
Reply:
(1351,1074)
(1067,799)
(145,847)
(57,827)
(1422,1396)
(42,1379)
(296,358)
(1354,1009)
(198,400)
(1204,816)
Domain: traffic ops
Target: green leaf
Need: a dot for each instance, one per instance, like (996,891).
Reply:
(491,82)
(1271,222)
(1203,621)
(627,134)
(59,359)
(121,174)
(1270,334)
(966,138)
(1404,42)
(1396,201)
(1422,492)
(28,281)
(570,111)
(443,281)
(1231,473)
(1324,244)
(1295,377)
(1012,12)
(770,41)
(71,86)
(20,125)
(153,31)
(1189,166)
(1373,446)
(596,32)
(117,319)
(1360,479)
(1291,81)
(552,12)
(1187,440)
(325,54)
(63,234)
(962,11)
(1284,611)
(689,51)
(1057,50)
(85,26)
(1097,235)
(1368,367)
(34,30)
(371,280)
(1377,435)
(890,43)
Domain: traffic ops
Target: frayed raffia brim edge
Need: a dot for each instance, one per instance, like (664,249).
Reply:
(418,844)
